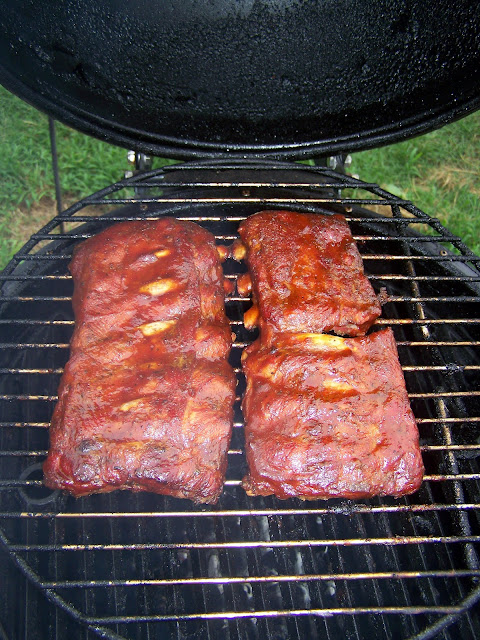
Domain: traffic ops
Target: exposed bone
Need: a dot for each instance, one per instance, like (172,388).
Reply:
(202,333)
(250,317)
(336,386)
(162,253)
(126,406)
(239,250)
(268,371)
(323,339)
(228,286)
(222,251)
(152,328)
(244,284)
(314,341)
(159,287)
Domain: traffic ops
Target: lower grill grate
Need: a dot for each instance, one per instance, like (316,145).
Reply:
(143,566)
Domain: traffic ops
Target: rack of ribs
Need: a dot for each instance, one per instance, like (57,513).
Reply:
(325,416)
(306,273)
(329,417)
(146,398)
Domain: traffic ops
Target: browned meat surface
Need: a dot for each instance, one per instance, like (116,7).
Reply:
(307,274)
(145,402)
(329,417)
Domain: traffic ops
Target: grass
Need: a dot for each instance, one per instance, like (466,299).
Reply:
(438,172)
(27,189)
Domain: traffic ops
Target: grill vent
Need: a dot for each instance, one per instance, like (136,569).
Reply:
(127,565)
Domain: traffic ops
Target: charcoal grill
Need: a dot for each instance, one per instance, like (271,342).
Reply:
(129,565)
(240,89)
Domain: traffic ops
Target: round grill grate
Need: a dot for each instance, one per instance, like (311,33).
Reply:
(143,566)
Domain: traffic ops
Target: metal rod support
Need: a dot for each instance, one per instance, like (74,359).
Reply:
(56,174)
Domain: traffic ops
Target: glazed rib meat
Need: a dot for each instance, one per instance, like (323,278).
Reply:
(145,401)
(329,417)
(307,274)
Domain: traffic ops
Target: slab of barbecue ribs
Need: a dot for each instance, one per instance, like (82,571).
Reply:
(325,416)
(329,417)
(145,402)
(307,274)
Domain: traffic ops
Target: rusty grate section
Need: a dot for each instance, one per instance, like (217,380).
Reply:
(144,566)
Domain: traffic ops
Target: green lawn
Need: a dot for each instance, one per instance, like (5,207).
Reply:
(26,185)
(438,172)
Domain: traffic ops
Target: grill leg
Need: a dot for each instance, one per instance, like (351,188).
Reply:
(56,173)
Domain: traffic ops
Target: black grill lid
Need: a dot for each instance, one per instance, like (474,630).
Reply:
(260,77)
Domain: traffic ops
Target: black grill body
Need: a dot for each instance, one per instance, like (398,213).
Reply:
(127,565)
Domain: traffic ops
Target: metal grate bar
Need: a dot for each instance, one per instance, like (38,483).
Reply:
(425,447)
(18,397)
(43,452)
(24,453)
(439,343)
(378,321)
(383,277)
(243,299)
(37,345)
(342,509)
(264,202)
(373,257)
(358,238)
(445,367)
(406,278)
(54,398)
(256,184)
(448,369)
(450,447)
(354,611)
(35,298)
(31,371)
(375,575)
(241,345)
(433,299)
(35,322)
(71,216)
(25,424)
(258,544)
(432,477)
(447,419)
(36,278)
(425,321)
(407,343)
(399,277)
(444,394)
